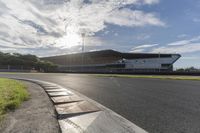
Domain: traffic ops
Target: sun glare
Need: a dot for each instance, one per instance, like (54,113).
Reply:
(70,39)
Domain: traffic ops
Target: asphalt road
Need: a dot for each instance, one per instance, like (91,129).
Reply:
(156,105)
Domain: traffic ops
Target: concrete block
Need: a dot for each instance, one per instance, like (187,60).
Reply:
(66,99)
(71,109)
(55,94)
(97,122)
(57,90)
(51,87)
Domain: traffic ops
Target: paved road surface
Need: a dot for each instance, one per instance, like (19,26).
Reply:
(158,106)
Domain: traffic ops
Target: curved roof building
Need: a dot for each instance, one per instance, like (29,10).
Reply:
(112,60)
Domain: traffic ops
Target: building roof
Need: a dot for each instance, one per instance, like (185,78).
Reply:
(100,57)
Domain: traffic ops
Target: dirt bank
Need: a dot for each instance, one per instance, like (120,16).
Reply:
(37,115)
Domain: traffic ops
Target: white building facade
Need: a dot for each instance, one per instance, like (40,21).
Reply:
(159,63)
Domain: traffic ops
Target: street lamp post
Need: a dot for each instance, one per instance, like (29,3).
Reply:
(83,42)
(83,48)
(159,61)
(68,60)
(66,44)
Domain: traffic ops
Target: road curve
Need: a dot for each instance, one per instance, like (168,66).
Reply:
(158,106)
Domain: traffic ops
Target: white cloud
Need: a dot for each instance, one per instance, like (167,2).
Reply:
(182,36)
(196,20)
(143,37)
(142,48)
(190,58)
(116,34)
(189,48)
(137,50)
(182,46)
(42,23)
(8,49)
(94,41)
(145,46)
(127,17)
(185,42)
(151,1)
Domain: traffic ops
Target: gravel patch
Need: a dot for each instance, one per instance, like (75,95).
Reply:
(37,115)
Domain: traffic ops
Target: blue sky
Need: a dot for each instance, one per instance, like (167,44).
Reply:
(53,27)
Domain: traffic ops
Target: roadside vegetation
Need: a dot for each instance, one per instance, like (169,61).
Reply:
(174,77)
(12,94)
(189,69)
(25,62)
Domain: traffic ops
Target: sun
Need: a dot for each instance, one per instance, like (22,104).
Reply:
(70,39)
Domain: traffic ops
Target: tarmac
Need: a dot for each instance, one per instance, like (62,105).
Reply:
(79,114)
(156,105)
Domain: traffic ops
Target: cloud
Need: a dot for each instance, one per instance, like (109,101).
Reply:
(190,58)
(116,34)
(143,37)
(189,48)
(137,50)
(48,23)
(127,17)
(38,28)
(197,20)
(182,46)
(3,8)
(94,41)
(12,50)
(145,46)
(182,36)
(151,1)
(184,42)
(142,48)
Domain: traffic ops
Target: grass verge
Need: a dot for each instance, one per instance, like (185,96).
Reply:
(12,94)
(173,77)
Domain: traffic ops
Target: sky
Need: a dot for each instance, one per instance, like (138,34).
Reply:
(56,27)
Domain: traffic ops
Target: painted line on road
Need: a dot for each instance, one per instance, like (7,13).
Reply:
(78,113)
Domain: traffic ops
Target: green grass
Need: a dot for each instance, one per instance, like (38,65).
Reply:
(12,94)
(173,77)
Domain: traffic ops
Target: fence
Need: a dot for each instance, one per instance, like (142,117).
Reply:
(9,68)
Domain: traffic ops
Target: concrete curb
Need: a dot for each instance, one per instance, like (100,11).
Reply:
(77,113)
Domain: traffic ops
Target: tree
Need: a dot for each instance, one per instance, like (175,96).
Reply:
(189,69)
(26,61)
